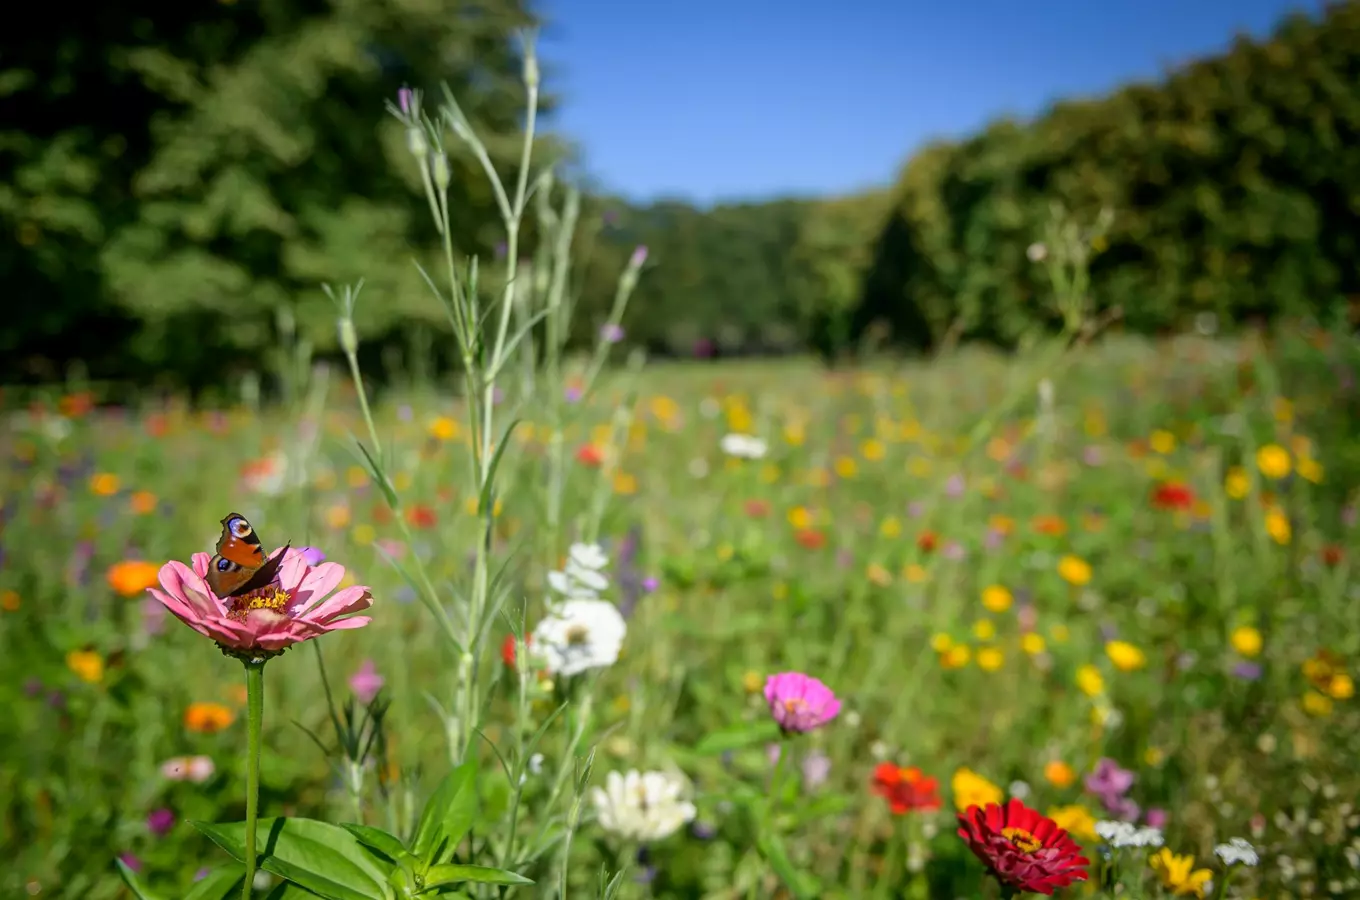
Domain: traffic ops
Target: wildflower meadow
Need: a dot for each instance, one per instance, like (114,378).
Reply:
(1076,620)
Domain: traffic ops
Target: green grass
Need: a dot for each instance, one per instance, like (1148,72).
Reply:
(871,462)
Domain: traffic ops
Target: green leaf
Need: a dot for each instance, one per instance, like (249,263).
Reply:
(737,737)
(484,502)
(323,858)
(375,472)
(218,884)
(802,884)
(438,876)
(448,815)
(133,882)
(388,845)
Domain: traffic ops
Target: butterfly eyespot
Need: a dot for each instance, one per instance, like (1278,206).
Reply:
(223,565)
(241,528)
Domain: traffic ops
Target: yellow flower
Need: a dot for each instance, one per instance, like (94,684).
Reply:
(1273,461)
(915,573)
(363,534)
(1310,470)
(996,598)
(1236,484)
(1089,681)
(800,517)
(971,789)
(10,601)
(337,516)
(751,682)
(356,477)
(890,527)
(873,449)
(989,659)
(918,467)
(1076,820)
(88,665)
(941,642)
(1154,756)
(795,434)
(846,467)
(1033,643)
(879,575)
(1125,656)
(1246,640)
(1277,526)
(104,484)
(625,484)
(1059,774)
(984,629)
(1059,633)
(1162,442)
(1341,687)
(1074,570)
(443,429)
(1178,873)
(956,657)
(1316,704)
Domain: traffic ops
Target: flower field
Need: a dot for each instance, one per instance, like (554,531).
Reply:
(975,627)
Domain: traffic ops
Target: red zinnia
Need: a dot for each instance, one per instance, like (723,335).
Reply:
(1173,495)
(1025,850)
(810,538)
(590,455)
(906,790)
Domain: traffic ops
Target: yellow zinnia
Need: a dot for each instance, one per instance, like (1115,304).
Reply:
(971,789)
(1125,656)
(1246,640)
(1074,570)
(996,598)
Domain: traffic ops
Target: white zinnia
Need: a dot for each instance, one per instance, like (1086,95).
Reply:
(1237,851)
(579,635)
(744,446)
(581,578)
(642,806)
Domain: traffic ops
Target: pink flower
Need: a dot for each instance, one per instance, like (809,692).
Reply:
(267,621)
(800,702)
(366,682)
(197,769)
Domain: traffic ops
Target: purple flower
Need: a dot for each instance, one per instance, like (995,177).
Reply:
(313,556)
(800,702)
(405,413)
(404,100)
(1110,783)
(160,821)
(650,583)
(816,768)
(611,333)
(639,256)
(993,539)
(366,682)
(954,550)
(954,486)
(1247,671)
(1092,456)
(704,831)
(130,861)
(572,393)
(1156,817)
(916,509)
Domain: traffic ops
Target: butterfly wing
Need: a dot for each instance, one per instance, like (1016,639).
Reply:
(239,565)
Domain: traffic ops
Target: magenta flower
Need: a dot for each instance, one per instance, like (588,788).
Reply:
(1110,783)
(263,623)
(800,702)
(366,682)
(160,821)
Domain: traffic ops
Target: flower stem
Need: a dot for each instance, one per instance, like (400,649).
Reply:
(254,725)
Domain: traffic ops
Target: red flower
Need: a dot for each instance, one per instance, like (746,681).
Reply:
(927,540)
(1173,495)
(508,648)
(1332,554)
(810,538)
(590,455)
(1025,850)
(906,790)
(421,516)
(757,508)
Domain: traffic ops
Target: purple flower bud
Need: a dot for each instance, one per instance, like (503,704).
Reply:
(639,256)
(404,100)
(611,333)
(131,861)
(650,583)
(160,821)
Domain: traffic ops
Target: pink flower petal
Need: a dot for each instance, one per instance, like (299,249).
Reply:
(293,570)
(351,599)
(200,562)
(344,624)
(180,581)
(316,584)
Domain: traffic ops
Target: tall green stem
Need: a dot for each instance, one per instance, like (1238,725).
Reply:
(254,725)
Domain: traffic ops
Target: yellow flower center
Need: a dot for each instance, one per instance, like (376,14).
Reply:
(274,599)
(1021,839)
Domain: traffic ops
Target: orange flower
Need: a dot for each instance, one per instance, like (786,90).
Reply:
(207,718)
(132,576)
(142,503)
(421,516)
(905,789)
(1053,526)
(810,538)
(589,455)
(927,541)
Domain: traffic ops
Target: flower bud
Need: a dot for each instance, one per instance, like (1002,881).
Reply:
(349,339)
(439,170)
(416,142)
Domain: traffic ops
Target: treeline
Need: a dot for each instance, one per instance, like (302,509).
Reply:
(178,180)
(1234,187)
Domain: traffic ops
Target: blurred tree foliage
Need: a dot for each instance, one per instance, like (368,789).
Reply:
(181,178)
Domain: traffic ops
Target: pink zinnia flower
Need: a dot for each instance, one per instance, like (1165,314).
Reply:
(366,682)
(267,621)
(800,702)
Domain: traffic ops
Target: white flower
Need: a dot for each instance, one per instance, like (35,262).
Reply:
(744,446)
(642,807)
(579,635)
(1124,834)
(1036,252)
(581,578)
(1238,851)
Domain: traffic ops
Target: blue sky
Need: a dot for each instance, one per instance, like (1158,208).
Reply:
(713,100)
